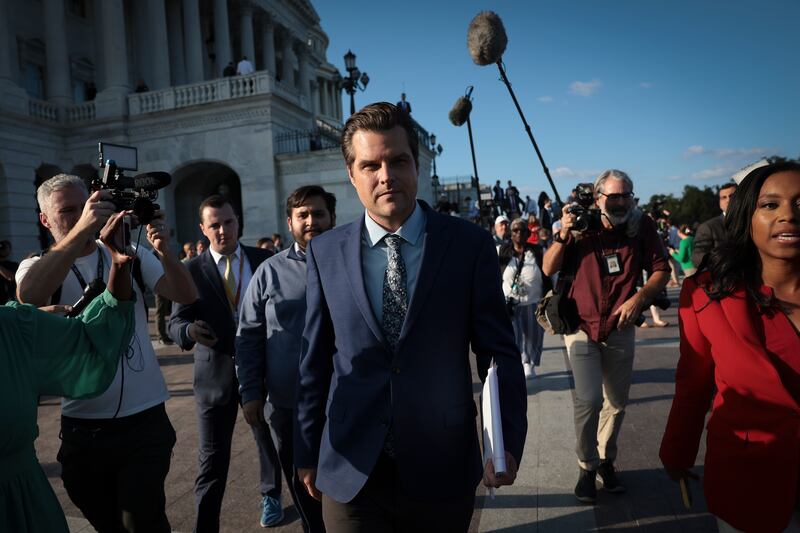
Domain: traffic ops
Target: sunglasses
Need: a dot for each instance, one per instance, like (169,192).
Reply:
(617,196)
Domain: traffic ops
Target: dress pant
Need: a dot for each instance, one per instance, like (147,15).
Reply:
(281,426)
(383,506)
(114,469)
(163,309)
(602,373)
(215,425)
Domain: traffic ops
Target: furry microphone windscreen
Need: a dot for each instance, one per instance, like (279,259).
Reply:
(486,38)
(461,110)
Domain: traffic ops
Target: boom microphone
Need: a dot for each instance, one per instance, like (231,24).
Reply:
(92,291)
(459,115)
(486,38)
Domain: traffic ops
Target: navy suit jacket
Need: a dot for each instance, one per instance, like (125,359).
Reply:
(214,372)
(352,387)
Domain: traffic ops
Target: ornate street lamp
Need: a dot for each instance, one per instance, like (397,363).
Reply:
(437,151)
(355,79)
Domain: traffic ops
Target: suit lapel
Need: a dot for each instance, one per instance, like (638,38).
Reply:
(351,255)
(214,279)
(435,244)
(745,321)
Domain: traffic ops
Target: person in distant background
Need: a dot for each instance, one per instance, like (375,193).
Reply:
(266,243)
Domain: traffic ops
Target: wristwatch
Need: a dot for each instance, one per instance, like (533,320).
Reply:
(557,238)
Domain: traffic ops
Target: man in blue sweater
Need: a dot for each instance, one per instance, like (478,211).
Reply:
(270,333)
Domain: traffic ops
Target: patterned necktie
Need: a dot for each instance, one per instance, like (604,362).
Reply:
(395,292)
(230,279)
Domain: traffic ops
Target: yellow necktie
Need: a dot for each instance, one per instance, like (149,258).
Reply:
(230,279)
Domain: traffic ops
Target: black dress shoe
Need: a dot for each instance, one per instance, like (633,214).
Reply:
(608,477)
(586,490)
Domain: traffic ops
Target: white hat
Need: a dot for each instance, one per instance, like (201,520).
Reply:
(501,218)
(740,175)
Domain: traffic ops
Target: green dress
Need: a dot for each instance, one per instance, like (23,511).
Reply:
(46,354)
(684,254)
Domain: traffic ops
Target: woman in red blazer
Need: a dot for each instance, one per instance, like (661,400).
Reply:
(739,324)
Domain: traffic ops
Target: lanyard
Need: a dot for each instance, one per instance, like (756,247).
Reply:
(99,269)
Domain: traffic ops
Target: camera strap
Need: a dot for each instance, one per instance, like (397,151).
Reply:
(99,275)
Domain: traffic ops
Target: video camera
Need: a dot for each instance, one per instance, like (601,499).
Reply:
(587,218)
(136,194)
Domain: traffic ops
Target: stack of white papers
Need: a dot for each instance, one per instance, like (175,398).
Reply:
(493,446)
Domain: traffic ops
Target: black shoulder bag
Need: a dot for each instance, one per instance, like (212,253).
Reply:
(557,313)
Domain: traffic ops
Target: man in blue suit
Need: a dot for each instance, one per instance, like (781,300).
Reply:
(386,432)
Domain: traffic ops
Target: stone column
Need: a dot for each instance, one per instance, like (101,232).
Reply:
(287,74)
(159,44)
(177,65)
(321,107)
(246,33)
(315,109)
(58,76)
(112,101)
(303,76)
(268,45)
(336,94)
(5,43)
(222,36)
(192,41)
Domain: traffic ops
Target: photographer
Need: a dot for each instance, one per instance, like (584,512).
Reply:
(116,448)
(605,261)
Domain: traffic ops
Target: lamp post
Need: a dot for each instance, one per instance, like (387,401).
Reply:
(355,79)
(437,151)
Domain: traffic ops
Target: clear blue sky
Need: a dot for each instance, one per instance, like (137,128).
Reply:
(672,91)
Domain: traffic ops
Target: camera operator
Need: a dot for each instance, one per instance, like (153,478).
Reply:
(605,263)
(116,448)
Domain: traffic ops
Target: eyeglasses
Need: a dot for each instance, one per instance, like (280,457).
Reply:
(517,230)
(617,196)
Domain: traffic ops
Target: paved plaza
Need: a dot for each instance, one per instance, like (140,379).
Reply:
(540,501)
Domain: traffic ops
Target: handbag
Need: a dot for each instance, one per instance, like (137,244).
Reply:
(557,313)
(511,302)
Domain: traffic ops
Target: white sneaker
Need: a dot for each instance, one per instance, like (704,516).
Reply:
(528,368)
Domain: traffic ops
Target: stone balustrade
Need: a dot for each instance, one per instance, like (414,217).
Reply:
(83,112)
(202,93)
(43,110)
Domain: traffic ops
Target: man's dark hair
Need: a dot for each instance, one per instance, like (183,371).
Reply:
(728,185)
(216,201)
(262,241)
(378,117)
(300,197)
(735,260)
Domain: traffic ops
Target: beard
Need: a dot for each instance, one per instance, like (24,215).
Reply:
(618,216)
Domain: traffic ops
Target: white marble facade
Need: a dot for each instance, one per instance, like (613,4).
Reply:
(212,133)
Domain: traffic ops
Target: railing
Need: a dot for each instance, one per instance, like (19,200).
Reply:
(83,112)
(201,93)
(299,141)
(43,110)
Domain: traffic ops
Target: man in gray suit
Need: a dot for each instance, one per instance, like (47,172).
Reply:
(270,333)
(221,274)
(711,232)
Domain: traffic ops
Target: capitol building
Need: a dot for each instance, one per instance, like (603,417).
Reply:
(69,72)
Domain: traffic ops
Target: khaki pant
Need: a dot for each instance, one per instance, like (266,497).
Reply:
(602,373)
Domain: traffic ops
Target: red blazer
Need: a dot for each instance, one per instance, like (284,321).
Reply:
(753,441)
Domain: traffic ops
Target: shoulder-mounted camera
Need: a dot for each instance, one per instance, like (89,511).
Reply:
(138,193)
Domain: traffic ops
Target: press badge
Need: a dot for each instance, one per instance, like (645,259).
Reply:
(613,265)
